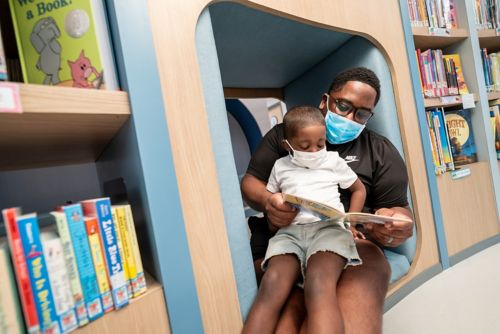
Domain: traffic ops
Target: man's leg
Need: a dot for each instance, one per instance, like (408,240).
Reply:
(361,290)
(276,284)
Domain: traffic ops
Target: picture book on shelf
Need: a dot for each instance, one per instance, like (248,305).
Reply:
(455,58)
(3,61)
(328,213)
(463,147)
(10,315)
(495,124)
(64,43)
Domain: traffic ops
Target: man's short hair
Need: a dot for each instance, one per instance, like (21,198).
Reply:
(300,117)
(361,74)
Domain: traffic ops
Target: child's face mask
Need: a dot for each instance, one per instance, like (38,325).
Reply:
(309,160)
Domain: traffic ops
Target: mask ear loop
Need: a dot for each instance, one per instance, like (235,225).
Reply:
(291,148)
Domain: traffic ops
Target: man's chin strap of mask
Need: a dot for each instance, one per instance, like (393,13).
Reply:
(340,129)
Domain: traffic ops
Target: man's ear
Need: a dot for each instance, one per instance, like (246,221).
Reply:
(323,104)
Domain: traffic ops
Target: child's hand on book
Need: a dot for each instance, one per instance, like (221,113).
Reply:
(355,233)
(279,213)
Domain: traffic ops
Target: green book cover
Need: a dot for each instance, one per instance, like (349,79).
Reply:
(58,42)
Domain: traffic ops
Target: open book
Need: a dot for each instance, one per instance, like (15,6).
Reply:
(326,212)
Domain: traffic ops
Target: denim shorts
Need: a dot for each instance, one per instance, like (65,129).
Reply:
(308,239)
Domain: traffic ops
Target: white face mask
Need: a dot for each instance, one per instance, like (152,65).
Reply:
(311,160)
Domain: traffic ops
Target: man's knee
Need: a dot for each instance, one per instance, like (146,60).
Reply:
(374,261)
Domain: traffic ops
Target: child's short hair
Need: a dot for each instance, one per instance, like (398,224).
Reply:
(300,117)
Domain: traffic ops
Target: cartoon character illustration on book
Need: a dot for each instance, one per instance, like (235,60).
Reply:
(44,39)
(33,252)
(81,71)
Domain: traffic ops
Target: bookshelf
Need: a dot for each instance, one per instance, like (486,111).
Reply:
(467,208)
(490,39)
(92,136)
(60,125)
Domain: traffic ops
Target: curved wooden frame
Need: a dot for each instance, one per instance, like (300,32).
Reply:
(173,27)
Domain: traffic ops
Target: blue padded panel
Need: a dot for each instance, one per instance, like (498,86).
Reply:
(399,265)
(245,37)
(226,171)
(246,121)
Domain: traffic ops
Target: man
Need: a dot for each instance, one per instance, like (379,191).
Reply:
(361,290)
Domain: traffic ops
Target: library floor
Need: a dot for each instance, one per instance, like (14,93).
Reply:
(465,299)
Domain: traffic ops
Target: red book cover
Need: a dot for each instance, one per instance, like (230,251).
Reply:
(21,270)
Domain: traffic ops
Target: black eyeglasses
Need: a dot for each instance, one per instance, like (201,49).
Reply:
(344,108)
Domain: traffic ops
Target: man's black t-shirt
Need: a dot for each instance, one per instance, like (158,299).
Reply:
(371,156)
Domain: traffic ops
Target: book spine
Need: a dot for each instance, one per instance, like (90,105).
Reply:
(141,279)
(101,208)
(98,259)
(21,270)
(37,270)
(10,316)
(83,257)
(59,283)
(73,275)
(125,249)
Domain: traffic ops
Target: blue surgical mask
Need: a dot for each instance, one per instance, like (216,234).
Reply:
(340,129)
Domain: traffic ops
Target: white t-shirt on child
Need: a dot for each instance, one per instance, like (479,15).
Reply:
(319,184)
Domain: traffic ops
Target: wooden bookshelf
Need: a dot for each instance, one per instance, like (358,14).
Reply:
(489,39)
(493,95)
(144,314)
(437,102)
(60,125)
(468,207)
(424,40)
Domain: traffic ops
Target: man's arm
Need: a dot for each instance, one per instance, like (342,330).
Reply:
(278,212)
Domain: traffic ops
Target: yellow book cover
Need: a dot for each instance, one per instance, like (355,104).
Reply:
(92,228)
(64,43)
(462,86)
(125,251)
(141,279)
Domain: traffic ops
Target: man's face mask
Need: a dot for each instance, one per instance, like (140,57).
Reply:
(309,160)
(340,129)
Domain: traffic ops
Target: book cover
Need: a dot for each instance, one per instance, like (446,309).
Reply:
(327,213)
(462,86)
(63,43)
(92,228)
(21,270)
(101,209)
(141,278)
(83,257)
(38,273)
(461,137)
(69,257)
(495,119)
(10,315)
(59,281)
(444,139)
(127,259)
(3,60)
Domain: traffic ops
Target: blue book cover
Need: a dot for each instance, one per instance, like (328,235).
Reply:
(37,270)
(442,134)
(461,136)
(88,280)
(101,208)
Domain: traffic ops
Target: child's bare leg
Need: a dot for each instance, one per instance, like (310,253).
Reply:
(277,282)
(322,274)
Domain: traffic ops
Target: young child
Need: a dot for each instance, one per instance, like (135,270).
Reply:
(307,250)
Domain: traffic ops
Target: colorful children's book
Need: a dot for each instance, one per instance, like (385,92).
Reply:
(86,270)
(69,256)
(92,227)
(59,281)
(461,137)
(11,320)
(3,61)
(125,252)
(21,270)
(64,43)
(462,86)
(38,273)
(327,213)
(101,209)
(442,139)
(141,278)
(495,119)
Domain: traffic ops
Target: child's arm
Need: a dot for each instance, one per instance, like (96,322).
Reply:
(358,196)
